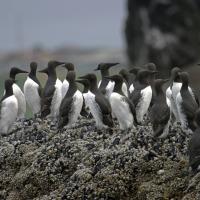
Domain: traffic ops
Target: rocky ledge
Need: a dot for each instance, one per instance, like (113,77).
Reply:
(38,162)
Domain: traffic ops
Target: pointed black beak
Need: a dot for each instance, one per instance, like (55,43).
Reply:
(154,72)
(43,71)
(82,77)
(165,80)
(134,70)
(108,77)
(97,69)
(112,64)
(22,71)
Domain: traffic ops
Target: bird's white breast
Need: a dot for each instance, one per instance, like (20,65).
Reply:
(21,100)
(32,96)
(131,88)
(125,89)
(95,109)
(76,107)
(65,87)
(56,100)
(9,110)
(143,104)
(121,110)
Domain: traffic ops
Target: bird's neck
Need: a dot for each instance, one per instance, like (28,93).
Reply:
(185,85)
(32,73)
(104,73)
(118,88)
(12,76)
(93,86)
(85,89)
(72,85)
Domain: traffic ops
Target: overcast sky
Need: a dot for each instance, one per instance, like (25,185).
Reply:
(54,23)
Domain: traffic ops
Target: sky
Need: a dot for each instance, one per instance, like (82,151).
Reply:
(54,23)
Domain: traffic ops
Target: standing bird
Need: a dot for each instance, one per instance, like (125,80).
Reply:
(194,146)
(71,104)
(133,71)
(142,94)
(173,90)
(18,93)
(152,67)
(86,87)
(98,104)
(32,90)
(121,106)
(9,108)
(52,94)
(187,103)
(65,84)
(160,111)
(105,86)
(127,77)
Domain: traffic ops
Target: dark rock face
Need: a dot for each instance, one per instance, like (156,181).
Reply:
(38,162)
(165,32)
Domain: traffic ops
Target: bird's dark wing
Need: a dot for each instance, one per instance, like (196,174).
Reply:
(47,97)
(132,108)
(135,96)
(194,150)
(159,116)
(105,108)
(65,110)
(190,108)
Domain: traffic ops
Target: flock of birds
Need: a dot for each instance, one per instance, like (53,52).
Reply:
(127,97)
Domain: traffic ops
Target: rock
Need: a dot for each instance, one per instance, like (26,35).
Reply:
(168,40)
(84,163)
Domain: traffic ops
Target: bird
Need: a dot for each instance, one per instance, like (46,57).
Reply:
(194,145)
(65,84)
(98,103)
(86,87)
(105,86)
(172,91)
(133,71)
(32,90)
(187,104)
(152,67)
(122,107)
(127,81)
(18,93)
(52,94)
(71,104)
(142,94)
(9,108)
(160,111)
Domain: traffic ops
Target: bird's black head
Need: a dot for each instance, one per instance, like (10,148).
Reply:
(105,66)
(184,76)
(54,64)
(84,82)
(51,67)
(71,76)
(33,66)
(158,83)
(90,77)
(69,66)
(144,75)
(116,78)
(8,86)
(175,71)
(124,73)
(14,71)
(150,66)
(135,70)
